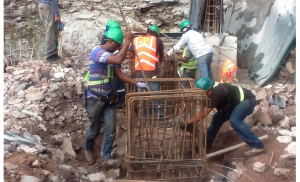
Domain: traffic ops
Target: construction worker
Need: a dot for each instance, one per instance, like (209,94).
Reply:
(117,84)
(233,103)
(188,64)
(198,47)
(49,13)
(100,98)
(150,50)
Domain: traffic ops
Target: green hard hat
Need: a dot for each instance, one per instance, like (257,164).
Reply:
(204,84)
(154,28)
(115,34)
(110,22)
(184,24)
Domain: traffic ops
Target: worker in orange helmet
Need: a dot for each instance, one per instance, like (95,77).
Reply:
(227,71)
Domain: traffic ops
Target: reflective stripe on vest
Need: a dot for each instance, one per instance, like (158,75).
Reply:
(146,50)
(98,82)
(240,90)
(191,64)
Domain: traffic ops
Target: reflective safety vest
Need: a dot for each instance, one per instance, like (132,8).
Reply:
(146,50)
(192,64)
(108,79)
(240,89)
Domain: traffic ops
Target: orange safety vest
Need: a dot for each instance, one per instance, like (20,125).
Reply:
(227,70)
(146,49)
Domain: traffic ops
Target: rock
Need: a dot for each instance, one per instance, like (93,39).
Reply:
(281,172)
(59,76)
(57,154)
(53,178)
(67,95)
(23,86)
(293,129)
(284,123)
(10,69)
(18,115)
(291,88)
(39,96)
(234,175)
(254,117)
(82,170)
(16,101)
(284,139)
(18,72)
(66,168)
(97,176)
(287,133)
(36,164)
(79,86)
(38,72)
(290,110)
(25,79)
(67,63)
(259,167)
(290,66)
(26,178)
(276,113)
(67,148)
(10,166)
(291,102)
(291,148)
(28,149)
(54,87)
(57,140)
(113,173)
(112,164)
(261,95)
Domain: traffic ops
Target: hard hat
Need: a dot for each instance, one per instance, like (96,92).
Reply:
(115,34)
(154,28)
(204,84)
(113,24)
(184,24)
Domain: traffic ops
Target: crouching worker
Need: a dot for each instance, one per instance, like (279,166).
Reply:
(233,103)
(100,98)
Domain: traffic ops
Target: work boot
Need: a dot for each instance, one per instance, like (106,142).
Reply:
(253,151)
(189,126)
(89,157)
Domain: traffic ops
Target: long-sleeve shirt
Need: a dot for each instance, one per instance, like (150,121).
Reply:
(195,42)
(54,5)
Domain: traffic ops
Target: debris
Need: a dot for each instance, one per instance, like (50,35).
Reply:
(284,123)
(28,149)
(23,86)
(287,133)
(66,168)
(67,62)
(26,178)
(54,87)
(53,178)
(281,172)
(10,166)
(82,170)
(67,148)
(20,138)
(261,95)
(291,148)
(39,96)
(16,101)
(57,154)
(59,76)
(290,110)
(97,176)
(36,164)
(268,86)
(32,114)
(290,66)
(113,173)
(259,167)
(112,164)
(291,88)
(18,115)
(271,158)
(276,113)
(284,139)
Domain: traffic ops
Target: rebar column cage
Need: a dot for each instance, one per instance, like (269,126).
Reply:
(157,149)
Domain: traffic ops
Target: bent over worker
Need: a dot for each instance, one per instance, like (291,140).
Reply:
(199,48)
(101,98)
(233,103)
(150,50)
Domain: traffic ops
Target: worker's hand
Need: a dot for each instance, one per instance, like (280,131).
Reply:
(57,19)
(128,35)
(141,85)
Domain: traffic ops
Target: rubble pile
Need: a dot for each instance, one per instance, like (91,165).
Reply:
(43,115)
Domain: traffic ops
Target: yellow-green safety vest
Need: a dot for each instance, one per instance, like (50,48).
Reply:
(191,64)
(109,78)
(240,89)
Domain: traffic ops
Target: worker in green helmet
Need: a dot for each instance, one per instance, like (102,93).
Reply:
(100,97)
(110,24)
(198,47)
(150,49)
(233,103)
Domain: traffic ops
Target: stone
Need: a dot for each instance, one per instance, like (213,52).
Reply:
(61,118)
(259,167)
(18,72)
(54,87)
(290,66)
(10,166)
(26,178)
(57,154)
(16,101)
(284,123)
(79,87)
(291,148)
(57,140)
(36,164)
(281,172)
(66,168)
(39,96)
(23,86)
(261,95)
(10,69)
(290,110)
(293,129)
(96,177)
(67,95)
(291,102)
(67,148)
(284,139)
(82,170)
(53,178)
(38,72)
(25,79)
(67,63)
(234,175)
(113,173)
(291,88)
(276,113)
(18,115)
(287,133)
(59,76)
(112,164)
(254,117)
(268,86)
(28,149)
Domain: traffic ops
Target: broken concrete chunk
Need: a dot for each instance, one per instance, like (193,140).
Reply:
(67,148)
(276,113)
(28,149)
(18,115)
(67,62)
(54,87)
(284,123)
(284,139)
(113,173)
(291,148)
(281,172)
(82,170)
(66,168)
(97,176)
(39,96)
(23,86)
(57,154)
(10,166)
(26,178)
(259,167)
(59,76)
(291,88)
(10,69)
(16,101)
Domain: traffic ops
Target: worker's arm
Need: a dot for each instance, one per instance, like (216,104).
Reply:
(182,58)
(119,58)
(123,76)
(205,113)
(183,41)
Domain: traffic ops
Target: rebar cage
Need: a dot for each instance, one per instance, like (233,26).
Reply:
(157,149)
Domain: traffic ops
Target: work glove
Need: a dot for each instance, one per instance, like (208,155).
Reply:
(60,26)
(189,126)
(141,85)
